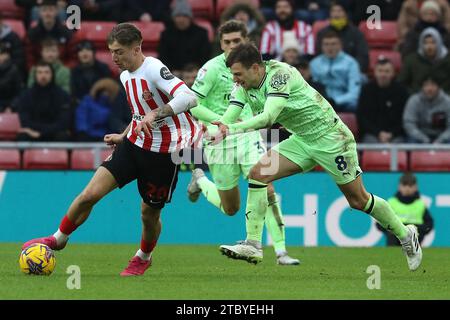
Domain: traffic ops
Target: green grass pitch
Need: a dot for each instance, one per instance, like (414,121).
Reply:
(201,272)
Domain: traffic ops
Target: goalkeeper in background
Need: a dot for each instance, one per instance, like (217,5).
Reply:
(236,154)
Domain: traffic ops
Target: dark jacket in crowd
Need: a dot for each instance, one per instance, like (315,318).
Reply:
(416,66)
(134,9)
(411,42)
(381,109)
(178,48)
(59,32)
(353,43)
(82,77)
(12,41)
(10,84)
(107,10)
(45,109)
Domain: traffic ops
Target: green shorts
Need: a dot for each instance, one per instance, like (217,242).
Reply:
(227,164)
(335,152)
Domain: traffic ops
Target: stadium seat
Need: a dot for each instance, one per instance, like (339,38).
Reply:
(45,159)
(430,161)
(9,159)
(384,38)
(95,31)
(375,54)
(208,26)
(83,159)
(319,25)
(105,57)
(9,126)
(350,120)
(16,26)
(381,160)
(221,5)
(151,32)
(10,10)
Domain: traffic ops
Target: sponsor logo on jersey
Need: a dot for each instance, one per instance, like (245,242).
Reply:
(201,73)
(279,80)
(166,74)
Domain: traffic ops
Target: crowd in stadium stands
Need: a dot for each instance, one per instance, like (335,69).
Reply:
(64,87)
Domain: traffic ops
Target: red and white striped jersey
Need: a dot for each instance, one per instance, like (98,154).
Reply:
(150,87)
(272,38)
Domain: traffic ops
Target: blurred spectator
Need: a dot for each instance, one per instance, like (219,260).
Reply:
(183,42)
(409,15)
(431,57)
(312,10)
(272,36)
(338,72)
(430,15)
(380,107)
(61,5)
(104,10)
(389,10)
(48,27)
(88,70)
(410,209)
(146,11)
(352,38)
(93,114)
(44,109)
(189,74)
(291,50)
(120,116)
(14,45)
(10,79)
(303,67)
(427,114)
(305,10)
(50,54)
(252,18)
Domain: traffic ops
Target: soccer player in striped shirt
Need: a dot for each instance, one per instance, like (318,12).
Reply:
(160,126)
(236,155)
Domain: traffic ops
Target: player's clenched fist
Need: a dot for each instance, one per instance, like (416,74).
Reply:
(113,139)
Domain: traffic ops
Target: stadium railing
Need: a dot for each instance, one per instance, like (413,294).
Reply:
(97,148)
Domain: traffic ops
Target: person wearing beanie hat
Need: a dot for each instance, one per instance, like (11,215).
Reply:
(183,42)
(430,15)
(182,8)
(272,36)
(291,49)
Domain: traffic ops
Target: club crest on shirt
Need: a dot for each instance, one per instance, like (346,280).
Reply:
(147,95)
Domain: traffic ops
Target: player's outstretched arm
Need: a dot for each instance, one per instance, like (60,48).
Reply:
(204,114)
(113,139)
(272,108)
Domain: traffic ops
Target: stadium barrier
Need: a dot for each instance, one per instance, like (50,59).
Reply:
(32,204)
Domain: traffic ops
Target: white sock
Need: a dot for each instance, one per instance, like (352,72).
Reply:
(144,256)
(60,237)
(280,253)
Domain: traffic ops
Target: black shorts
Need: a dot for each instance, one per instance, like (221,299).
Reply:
(156,173)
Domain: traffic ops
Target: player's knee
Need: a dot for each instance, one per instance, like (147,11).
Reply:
(255,174)
(232,209)
(149,215)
